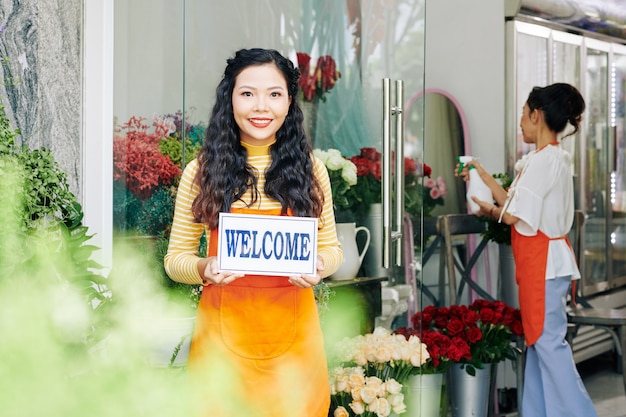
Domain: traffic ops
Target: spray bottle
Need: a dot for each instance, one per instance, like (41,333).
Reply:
(476,187)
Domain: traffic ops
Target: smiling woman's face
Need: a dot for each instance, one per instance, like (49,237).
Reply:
(260,103)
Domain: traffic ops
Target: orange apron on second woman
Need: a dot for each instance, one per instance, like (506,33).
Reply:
(531,258)
(258,348)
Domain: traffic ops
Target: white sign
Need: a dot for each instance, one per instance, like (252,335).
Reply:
(267,245)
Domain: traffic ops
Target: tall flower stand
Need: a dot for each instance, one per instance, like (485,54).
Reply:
(423,397)
(469,395)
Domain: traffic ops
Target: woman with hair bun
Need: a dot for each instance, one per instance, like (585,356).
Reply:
(539,206)
(257,348)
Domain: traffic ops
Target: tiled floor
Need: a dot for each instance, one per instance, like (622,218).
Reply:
(605,385)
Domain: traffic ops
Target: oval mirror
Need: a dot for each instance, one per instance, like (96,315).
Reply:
(443,138)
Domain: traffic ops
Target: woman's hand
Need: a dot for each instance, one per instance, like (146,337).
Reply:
(464,172)
(486,209)
(307,281)
(212,275)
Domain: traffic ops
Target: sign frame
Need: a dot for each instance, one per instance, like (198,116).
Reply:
(255,244)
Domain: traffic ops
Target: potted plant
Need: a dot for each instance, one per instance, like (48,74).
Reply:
(44,239)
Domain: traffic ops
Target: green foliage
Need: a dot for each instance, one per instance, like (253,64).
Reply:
(133,215)
(46,194)
(172,146)
(498,232)
(150,214)
(43,239)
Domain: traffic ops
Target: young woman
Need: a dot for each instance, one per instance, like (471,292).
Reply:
(257,348)
(540,207)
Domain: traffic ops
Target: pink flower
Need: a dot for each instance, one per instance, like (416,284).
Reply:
(435,193)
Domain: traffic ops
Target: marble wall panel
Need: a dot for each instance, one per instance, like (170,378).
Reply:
(41,69)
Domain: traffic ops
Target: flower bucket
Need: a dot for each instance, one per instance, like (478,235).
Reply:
(469,395)
(424,395)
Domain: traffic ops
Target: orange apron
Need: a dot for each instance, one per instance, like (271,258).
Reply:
(258,348)
(531,257)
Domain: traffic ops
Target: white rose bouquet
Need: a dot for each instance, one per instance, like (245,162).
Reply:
(355,394)
(342,174)
(372,370)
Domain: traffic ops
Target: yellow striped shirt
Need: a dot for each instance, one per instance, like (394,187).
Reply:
(182,255)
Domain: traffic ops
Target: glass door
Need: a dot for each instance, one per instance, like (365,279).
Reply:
(596,159)
(617,168)
(566,68)
(170,73)
(166,75)
(528,49)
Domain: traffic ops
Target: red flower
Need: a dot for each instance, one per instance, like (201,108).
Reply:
(376,170)
(410,167)
(362,165)
(475,334)
(326,72)
(304,62)
(322,79)
(137,160)
(427,170)
(455,327)
(370,153)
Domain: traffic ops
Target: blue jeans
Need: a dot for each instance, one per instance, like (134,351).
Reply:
(552,385)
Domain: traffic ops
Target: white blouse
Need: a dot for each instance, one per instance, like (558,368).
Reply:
(542,197)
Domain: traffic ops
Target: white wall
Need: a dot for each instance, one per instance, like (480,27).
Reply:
(465,56)
(97,125)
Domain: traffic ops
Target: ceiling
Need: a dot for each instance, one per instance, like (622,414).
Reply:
(607,17)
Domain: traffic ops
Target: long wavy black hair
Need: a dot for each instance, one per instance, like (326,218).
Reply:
(225,176)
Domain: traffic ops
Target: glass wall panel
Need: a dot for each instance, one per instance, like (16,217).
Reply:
(618,170)
(532,71)
(597,68)
(167,69)
(597,158)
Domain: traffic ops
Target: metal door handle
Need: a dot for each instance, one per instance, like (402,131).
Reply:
(392,231)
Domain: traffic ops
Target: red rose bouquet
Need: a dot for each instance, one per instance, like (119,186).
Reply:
(317,83)
(472,335)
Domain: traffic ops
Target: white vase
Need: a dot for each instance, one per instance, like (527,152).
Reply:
(352,258)
(424,395)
